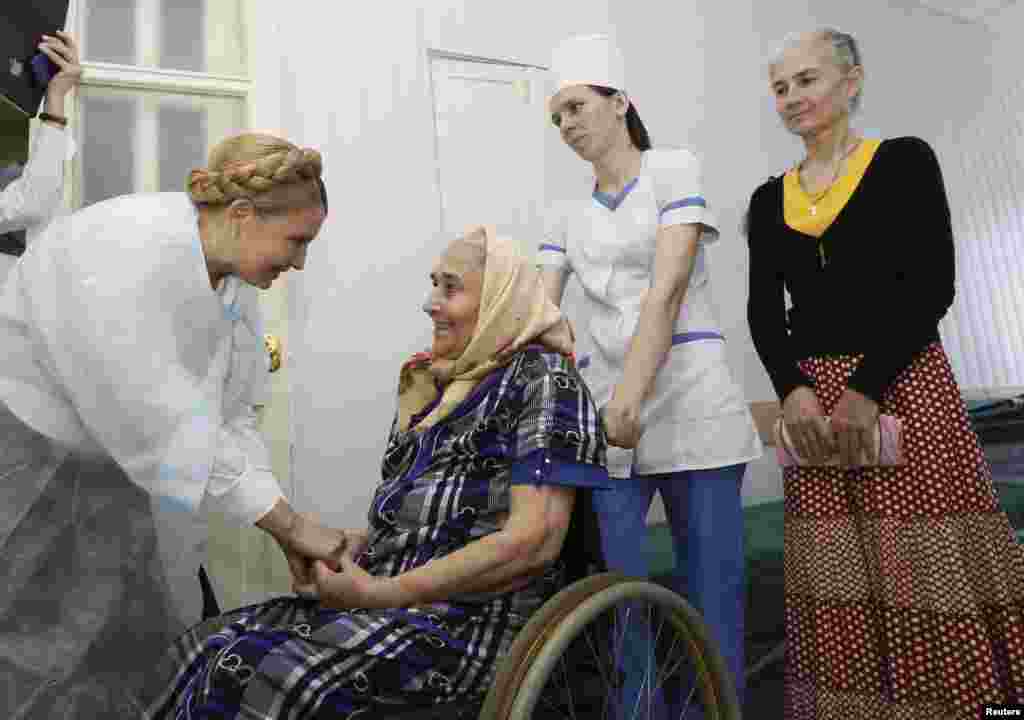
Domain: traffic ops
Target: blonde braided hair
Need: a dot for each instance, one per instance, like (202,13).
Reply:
(259,168)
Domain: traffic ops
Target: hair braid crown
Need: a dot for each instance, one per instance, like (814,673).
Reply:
(245,166)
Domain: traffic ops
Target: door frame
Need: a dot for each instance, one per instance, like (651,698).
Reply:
(434,54)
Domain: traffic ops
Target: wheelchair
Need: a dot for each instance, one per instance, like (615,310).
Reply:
(568,661)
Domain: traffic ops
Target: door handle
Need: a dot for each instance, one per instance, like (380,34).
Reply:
(273,345)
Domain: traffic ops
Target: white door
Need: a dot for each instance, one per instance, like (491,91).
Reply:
(489,141)
(499,159)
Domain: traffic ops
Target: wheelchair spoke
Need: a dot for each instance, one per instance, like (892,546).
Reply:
(679,659)
(639,698)
(637,658)
(605,663)
(678,664)
(689,700)
(661,624)
(568,689)
(551,703)
(606,677)
(650,659)
(625,626)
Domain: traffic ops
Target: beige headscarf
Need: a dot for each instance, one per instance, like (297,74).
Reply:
(514,312)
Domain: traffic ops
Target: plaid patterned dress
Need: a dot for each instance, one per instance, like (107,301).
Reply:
(530,422)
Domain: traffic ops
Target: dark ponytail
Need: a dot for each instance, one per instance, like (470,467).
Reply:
(634,125)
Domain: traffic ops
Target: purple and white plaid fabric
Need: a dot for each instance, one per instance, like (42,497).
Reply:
(532,421)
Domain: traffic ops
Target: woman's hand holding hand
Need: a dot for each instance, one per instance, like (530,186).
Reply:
(356,545)
(353,545)
(306,541)
(853,422)
(313,540)
(805,422)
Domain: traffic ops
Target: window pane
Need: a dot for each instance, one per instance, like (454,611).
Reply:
(195,35)
(182,144)
(136,141)
(110,31)
(108,126)
(182,35)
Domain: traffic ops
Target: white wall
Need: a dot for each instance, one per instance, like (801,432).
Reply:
(359,91)
(699,78)
(699,75)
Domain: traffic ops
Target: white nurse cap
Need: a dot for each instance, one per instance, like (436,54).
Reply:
(588,60)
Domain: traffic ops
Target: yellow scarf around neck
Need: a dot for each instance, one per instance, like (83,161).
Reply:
(515,311)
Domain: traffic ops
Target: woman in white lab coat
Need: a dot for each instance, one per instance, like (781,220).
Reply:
(134,361)
(635,239)
(29,201)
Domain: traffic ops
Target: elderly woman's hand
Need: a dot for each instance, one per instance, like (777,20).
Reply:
(805,421)
(304,580)
(351,588)
(853,421)
(303,539)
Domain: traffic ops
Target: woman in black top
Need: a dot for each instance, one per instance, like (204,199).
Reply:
(904,584)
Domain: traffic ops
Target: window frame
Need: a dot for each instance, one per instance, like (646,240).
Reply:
(145,79)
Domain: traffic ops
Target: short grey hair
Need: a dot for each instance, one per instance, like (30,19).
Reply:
(844,49)
(844,46)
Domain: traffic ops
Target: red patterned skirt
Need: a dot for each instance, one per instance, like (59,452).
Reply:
(904,585)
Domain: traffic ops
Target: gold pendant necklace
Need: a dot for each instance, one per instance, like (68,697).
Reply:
(835,178)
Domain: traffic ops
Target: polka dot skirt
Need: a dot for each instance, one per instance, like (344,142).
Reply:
(904,585)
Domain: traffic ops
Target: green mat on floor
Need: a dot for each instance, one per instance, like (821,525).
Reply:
(763,530)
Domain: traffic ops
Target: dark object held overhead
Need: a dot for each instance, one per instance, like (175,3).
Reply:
(23,75)
(43,70)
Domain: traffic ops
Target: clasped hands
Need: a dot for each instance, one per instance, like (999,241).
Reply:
(323,564)
(848,432)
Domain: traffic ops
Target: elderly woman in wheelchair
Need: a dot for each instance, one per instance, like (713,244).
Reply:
(494,435)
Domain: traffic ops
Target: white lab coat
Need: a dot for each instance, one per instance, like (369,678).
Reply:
(33,199)
(695,416)
(116,344)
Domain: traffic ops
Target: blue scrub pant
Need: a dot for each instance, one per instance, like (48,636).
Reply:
(705,513)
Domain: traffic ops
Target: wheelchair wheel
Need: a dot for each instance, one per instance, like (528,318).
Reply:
(613,647)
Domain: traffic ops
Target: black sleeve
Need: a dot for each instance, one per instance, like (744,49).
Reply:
(766,302)
(926,256)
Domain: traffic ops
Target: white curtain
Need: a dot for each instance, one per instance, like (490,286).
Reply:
(983,165)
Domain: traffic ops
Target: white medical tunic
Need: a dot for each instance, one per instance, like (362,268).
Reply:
(116,344)
(123,369)
(695,416)
(33,199)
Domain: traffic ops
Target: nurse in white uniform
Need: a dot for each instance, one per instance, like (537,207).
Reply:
(635,239)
